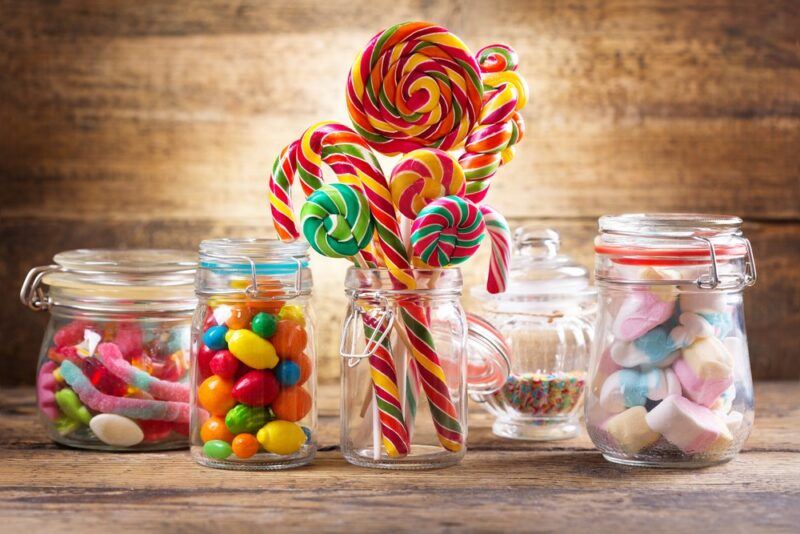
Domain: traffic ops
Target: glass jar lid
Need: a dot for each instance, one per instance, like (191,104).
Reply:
(107,279)
(540,278)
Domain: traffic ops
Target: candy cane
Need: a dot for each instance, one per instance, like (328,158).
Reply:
(500,235)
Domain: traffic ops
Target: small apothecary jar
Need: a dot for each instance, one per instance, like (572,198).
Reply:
(253,356)
(114,364)
(669,382)
(546,316)
(405,369)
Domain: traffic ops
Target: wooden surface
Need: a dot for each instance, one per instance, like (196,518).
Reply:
(154,124)
(502,485)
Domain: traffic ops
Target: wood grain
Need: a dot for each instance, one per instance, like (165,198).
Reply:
(155,123)
(501,485)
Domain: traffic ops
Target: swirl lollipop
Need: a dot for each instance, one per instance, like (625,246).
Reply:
(447,231)
(336,221)
(423,176)
(415,85)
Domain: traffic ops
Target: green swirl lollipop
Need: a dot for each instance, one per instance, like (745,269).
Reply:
(336,221)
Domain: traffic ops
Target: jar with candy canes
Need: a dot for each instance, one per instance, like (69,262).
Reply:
(669,383)
(405,370)
(114,365)
(546,317)
(253,356)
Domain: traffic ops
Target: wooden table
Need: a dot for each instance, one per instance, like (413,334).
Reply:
(501,485)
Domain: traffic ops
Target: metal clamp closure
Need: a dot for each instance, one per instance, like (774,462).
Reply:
(32,294)
(252,290)
(379,318)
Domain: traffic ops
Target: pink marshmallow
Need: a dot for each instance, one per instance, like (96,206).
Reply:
(705,370)
(690,427)
(641,312)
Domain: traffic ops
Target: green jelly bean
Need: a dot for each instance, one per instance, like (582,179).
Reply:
(65,425)
(243,419)
(217,449)
(264,324)
(71,405)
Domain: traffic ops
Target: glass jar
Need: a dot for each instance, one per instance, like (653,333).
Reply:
(546,316)
(669,382)
(114,362)
(405,370)
(253,356)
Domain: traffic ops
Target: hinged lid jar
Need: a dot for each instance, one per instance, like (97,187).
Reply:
(670,377)
(115,357)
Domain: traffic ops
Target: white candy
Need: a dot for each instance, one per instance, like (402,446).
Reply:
(689,426)
(116,430)
(629,429)
(692,327)
(629,387)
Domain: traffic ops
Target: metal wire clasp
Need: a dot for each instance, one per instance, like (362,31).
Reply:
(252,289)
(32,294)
(712,279)
(383,319)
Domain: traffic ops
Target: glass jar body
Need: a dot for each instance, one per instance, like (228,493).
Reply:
(404,371)
(115,380)
(669,382)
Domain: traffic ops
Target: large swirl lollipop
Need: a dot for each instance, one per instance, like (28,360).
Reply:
(447,231)
(414,85)
(423,176)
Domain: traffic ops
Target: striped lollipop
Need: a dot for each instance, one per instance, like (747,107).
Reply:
(447,231)
(414,85)
(424,175)
(500,235)
(336,221)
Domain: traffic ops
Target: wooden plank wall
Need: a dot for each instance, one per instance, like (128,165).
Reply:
(154,124)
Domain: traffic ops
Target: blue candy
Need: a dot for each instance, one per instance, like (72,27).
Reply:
(656,345)
(287,372)
(214,338)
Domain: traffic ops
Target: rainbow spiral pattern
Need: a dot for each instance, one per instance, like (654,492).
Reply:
(422,176)
(447,232)
(336,221)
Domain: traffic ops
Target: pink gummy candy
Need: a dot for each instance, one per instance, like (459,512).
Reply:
(46,386)
(112,358)
(129,339)
(70,334)
(640,312)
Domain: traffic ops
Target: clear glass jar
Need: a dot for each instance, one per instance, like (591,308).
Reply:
(669,382)
(114,362)
(546,316)
(253,356)
(405,370)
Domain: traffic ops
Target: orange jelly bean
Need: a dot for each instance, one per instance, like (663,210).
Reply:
(240,317)
(215,395)
(304,362)
(292,404)
(214,428)
(244,445)
(289,339)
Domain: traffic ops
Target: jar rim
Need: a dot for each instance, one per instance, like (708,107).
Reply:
(123,261)
(670,224)
(429,281)
(256,248)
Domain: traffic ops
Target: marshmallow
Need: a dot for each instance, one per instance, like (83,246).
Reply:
(705,370)
(724,402)
(629,387)
(690,427)
(630,431)
(655,347)
(692,327)
(640,312)
(721,323)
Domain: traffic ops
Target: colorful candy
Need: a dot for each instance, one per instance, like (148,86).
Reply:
(281,437)
(447,231)
(116,430)
(689,426)
(215,395)
(290,339)
(265,324)
(112,359)
(252,350)
(290,312)
(215,428)
(244,446)
(630,430)
(244,418)
(217,449)
(500,236)
(336,221)
(542,394)
(46,386)
(705,370)
(256,388)
(292,404)
(423,176)
(70,405)
(214,337)
(224,364)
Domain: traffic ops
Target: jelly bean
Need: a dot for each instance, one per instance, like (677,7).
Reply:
(215,396)
(281,437)
(69,403)
(214,337)
(155,430)
(217,449)
(288,373)
(204,355)
(289,339)
(264,324)
(224,364)
(252,350)
(244,445)
(65,425)
(239,317)
(304,362)
(243,418)
(292,312)
(214,428)
(116,430)
(103,379)
(292,404)
(256,388)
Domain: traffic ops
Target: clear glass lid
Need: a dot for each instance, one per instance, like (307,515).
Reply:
(540,276)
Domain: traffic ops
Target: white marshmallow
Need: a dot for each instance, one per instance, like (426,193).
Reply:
(629,387)
(689,426)
(630,431)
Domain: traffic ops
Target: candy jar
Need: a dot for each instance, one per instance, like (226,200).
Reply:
(114,364)
(669,383)
(253,356)
(546,317)
(405,370)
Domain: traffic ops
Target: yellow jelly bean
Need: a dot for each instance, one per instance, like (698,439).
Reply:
(294,313)
(252,350)
(281,437)
(228,335)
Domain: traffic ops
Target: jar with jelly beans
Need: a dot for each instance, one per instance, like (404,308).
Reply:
(405,369)
(546,317)
(669,383)
(114,365)
(253,356)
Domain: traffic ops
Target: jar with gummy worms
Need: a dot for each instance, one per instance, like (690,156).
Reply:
(409,358)
(670,383)
(253,356)
(114,364)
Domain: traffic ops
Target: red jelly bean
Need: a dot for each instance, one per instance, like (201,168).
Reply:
(204,356)
(224,364)
(256,388)
(102,378)
(155,430)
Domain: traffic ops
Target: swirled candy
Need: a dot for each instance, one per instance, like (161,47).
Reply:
(336,221)
(422,176)
(447,231)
